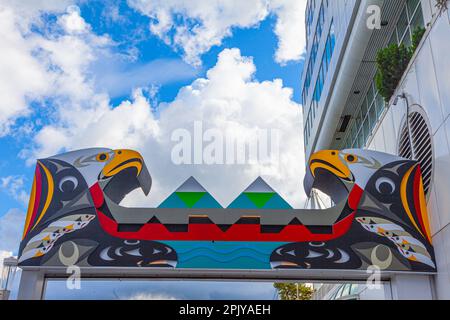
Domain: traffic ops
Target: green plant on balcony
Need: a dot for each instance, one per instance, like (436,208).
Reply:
(392,63)
(416,37)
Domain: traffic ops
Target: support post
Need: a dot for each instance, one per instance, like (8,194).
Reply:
(411,287)
(32,285)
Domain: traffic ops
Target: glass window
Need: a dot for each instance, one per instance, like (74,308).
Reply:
(372,117)
(407,39)
(349,144)
(333,295)
(360,139)
(310,17)
(324,63)
(358,120)
(320,80)
(393,38)
(417,20)
(332,36)
(410,19)
(379,104)
(370,95)
(321,20)
(354,289)
(351,133)
(322,76)
(366,130)
(338,293)
(374,88)
(364,108)
(402,24)
(346,290)
(412,6)
(328,50)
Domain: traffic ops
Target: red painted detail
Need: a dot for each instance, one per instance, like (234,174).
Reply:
(37,198)
(107,224)
(97,195)
(416,190)
(343,226)
(237,232)
(355,197)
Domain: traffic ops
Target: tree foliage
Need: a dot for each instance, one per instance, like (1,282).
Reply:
(293,291)
(392,62)
(416,37)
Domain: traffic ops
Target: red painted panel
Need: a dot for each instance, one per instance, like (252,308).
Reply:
(237,232)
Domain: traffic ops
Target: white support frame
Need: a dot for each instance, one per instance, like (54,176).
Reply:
(403,285)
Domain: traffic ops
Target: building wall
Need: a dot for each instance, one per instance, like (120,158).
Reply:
(340,13)
(427,84)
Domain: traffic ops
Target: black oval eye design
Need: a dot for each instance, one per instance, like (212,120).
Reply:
(385,186)
(351,158)
(102,157)
(68,184)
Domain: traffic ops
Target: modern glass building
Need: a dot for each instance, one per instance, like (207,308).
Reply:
(350,291)
(343,109)
(340,45)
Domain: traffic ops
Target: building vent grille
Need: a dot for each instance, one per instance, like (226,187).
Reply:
(417,145)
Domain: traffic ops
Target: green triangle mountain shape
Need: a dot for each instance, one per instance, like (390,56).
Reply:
(259,199)
(190,198)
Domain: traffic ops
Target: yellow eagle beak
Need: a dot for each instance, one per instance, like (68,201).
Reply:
(121,160)
(329,160)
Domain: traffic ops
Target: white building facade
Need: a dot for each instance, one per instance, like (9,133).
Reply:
(342,108)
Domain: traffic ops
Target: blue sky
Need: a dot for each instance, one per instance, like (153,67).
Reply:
(69,64)
(259,42)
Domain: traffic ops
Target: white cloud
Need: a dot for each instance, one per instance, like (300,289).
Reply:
(290,29)
(11,229)
(196,26)
(66,63)
(22,78)
(14,187)
(30,10)
(228,99)
(34,67)
(72,22)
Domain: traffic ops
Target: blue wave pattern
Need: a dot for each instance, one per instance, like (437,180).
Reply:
(224,255)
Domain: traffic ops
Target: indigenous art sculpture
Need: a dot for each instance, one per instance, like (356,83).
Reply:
(379,218)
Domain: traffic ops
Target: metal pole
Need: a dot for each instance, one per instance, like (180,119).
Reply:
(408,126)
(7,277)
